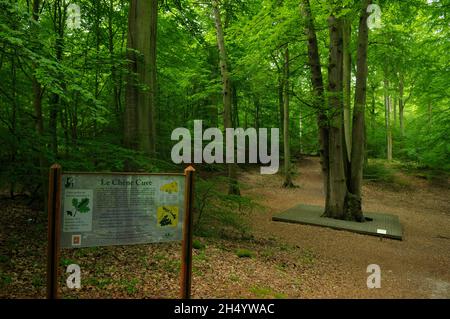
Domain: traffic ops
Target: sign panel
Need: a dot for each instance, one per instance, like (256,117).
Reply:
(121,209)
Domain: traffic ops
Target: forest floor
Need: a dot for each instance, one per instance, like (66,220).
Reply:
(278,260)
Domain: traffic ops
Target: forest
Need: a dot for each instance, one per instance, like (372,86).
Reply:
(357,88)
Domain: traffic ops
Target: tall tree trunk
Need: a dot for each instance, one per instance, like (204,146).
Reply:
(153,16)
(233,187)
(257,111)
(140,124)
(245,118)
(373,111)
(338,187)
(387,118)
(318,90)
(55,99)
(39,121)
(14,106)
(97,59)
(64,121)
(401,105)
(112,56)
(281,104)
(359,132)
(235,101)
(74,121)
(287,149)
(214,97)
(37,88)
(300,130)
(394,111)
(389,131)
(131,92)
(346,82)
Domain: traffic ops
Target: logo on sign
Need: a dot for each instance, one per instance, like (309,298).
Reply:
(69,182)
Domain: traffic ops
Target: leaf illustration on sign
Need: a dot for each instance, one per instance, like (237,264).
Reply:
(170,188)
(80,206)
(167,216)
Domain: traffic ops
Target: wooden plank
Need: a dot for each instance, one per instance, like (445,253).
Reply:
(186,261)
(311,215)
(53,232)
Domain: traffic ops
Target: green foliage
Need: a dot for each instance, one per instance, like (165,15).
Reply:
(171,265)
(244,253)
(411,46)
(197,244)
(428,142)
(307,257)
(130,286)
(100,282)
(220,214)
(4,259)
(83,87)
(266,292)
(5,279)
(376,170)
(67,261)
(38,281)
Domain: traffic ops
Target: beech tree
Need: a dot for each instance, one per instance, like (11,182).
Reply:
(107,96)
(140,99)
(342,165)
(233,187)
(286,143)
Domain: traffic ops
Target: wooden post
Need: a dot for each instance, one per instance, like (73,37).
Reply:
(54,216)
(186,262)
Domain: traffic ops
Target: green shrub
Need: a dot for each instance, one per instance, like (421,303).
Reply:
(197,244)
(218,214)
(244,253)
(377,171)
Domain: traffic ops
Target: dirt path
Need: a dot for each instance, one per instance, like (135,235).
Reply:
(417,267)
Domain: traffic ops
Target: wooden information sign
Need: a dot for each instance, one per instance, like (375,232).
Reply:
(104,209)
